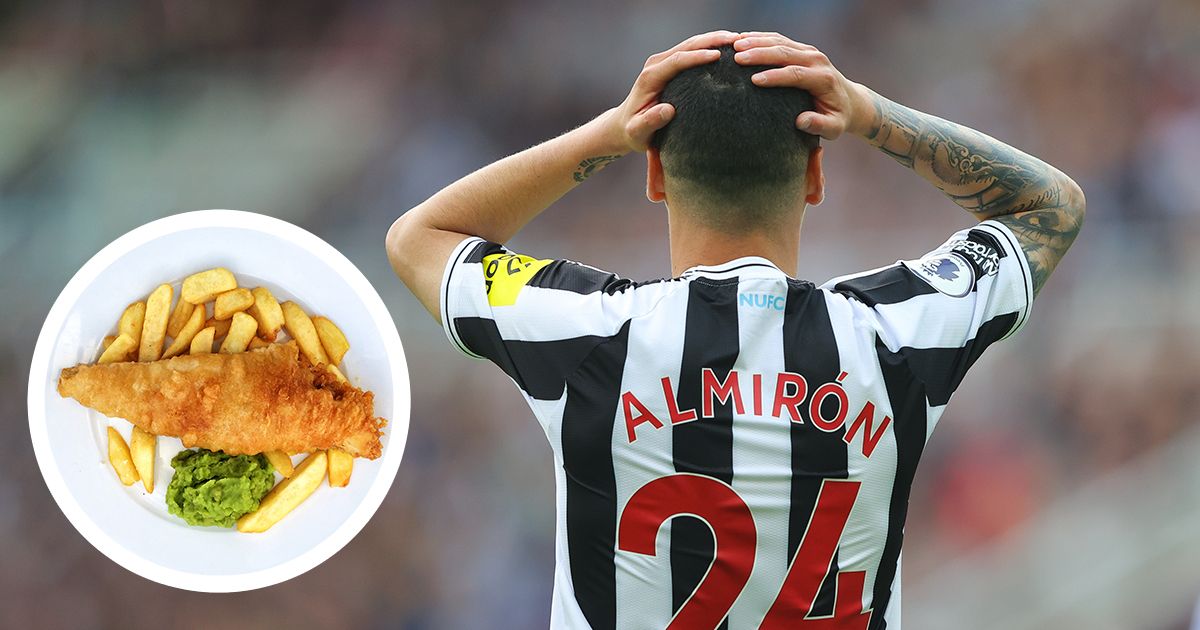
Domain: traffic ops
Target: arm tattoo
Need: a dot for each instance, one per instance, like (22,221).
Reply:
(590,165)
(987,178)
(1045,236)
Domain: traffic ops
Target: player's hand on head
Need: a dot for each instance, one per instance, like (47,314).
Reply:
(636,119)
(840,104)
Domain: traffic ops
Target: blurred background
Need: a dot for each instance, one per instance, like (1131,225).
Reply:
(1061,490)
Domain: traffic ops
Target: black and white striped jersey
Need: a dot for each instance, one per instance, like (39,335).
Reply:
(735,447)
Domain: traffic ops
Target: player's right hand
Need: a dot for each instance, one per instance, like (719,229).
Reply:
(634,121)
(840,105)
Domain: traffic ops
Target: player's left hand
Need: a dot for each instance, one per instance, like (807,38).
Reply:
(633,122)
(841,105)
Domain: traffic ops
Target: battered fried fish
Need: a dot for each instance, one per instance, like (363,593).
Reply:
(261,400)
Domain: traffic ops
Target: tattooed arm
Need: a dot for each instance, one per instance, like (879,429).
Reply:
(499,199)
(1043,207)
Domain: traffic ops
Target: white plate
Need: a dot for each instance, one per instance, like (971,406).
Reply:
(133,528)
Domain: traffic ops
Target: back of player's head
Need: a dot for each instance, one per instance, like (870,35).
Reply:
(733,148)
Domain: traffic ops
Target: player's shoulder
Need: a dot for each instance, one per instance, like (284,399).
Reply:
(890,284)
(581,278)
(567,286)
(966,264)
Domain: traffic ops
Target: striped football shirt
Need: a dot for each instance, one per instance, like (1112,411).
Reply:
(734,447)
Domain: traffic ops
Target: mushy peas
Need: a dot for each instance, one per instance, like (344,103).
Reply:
(212,488)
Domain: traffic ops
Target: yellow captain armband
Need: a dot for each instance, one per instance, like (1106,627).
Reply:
(505,274)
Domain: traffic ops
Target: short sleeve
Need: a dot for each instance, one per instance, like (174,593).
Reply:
(534,318)
(942,310)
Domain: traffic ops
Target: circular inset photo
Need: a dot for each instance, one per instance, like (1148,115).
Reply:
(218,401)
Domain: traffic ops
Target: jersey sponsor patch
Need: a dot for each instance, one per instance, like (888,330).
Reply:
(947,272)
(504,275)
(979,249)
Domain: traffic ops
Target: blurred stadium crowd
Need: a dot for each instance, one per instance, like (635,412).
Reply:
(339,116)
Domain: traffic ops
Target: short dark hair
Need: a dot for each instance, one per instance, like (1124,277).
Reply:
(734,144)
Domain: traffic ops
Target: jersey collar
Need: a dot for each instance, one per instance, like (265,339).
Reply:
(746,266)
